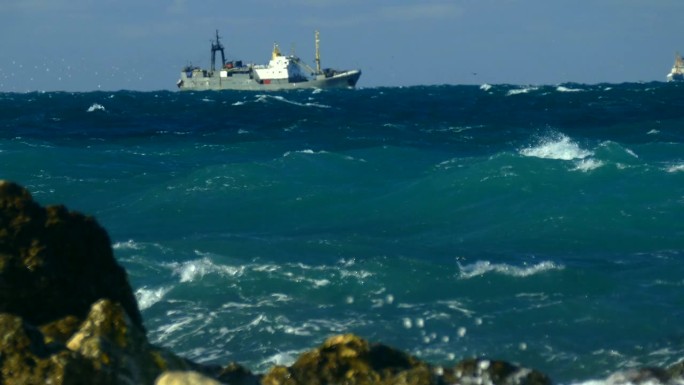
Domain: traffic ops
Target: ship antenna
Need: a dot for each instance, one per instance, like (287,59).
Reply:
(217,46)
(318,54)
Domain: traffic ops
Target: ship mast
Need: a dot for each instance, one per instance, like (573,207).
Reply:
(217,46)
(318,54)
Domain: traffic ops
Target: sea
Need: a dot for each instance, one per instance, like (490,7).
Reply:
(540,225)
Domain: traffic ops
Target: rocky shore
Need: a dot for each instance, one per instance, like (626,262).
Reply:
(69,316)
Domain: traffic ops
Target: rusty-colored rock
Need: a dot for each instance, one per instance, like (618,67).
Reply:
(348,359)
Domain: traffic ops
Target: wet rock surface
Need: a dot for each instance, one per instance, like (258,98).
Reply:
(69,316)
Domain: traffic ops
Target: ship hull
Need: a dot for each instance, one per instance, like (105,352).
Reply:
(246,82)
(675,77)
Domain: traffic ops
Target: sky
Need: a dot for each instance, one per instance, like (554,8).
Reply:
(87,45)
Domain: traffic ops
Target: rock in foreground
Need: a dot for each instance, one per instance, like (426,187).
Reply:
(55,263)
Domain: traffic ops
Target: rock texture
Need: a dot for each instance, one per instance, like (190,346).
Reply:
(55,263)
(348,359)
(67,312)
(69,316)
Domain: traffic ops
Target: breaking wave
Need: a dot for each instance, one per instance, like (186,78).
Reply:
(480,268)
(556,147)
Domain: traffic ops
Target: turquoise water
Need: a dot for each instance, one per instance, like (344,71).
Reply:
(536,224)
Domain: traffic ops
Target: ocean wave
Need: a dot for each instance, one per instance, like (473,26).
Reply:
(148,297)
(480,268)
(519,91)
(284,358)
(191,270)
(127,245)
(266,98)
(586,165)
(132,245)
(96,107)
(566,89)
(556,147)
(679,167)
(307,151)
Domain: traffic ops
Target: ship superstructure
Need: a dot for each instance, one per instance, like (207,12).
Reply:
(677,72)
(283,72)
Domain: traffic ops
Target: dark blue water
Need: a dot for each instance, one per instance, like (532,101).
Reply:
(539,225)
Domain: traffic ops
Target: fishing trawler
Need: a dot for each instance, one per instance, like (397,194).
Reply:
(283,72)
(677,72)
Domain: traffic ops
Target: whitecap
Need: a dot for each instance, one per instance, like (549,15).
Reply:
(485,87)
(191,270)
(285,358)
(264,98)
(148,297)
(96,107)
(675,168)
(521,91)
(653,132)
(556,147)
(480,268)
(127,245)
(566,89)
(586,165)
(306,151)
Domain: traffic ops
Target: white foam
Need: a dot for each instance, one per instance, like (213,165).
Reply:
(586,165)
(282,358)
(566,89)
(128,245)
(307,151)
(480,268)
(485,87)
(96,107)
(148,297)
(556,147)
(191,270)
(521,91)
(458,306)
(675,168)
(265,98)
(627,377)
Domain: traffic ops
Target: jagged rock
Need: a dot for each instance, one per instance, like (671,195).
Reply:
(67,312)
(116,347)
(493,372)
(25,359)
(348,359)
(235,374)
(106,349)
(55,263)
